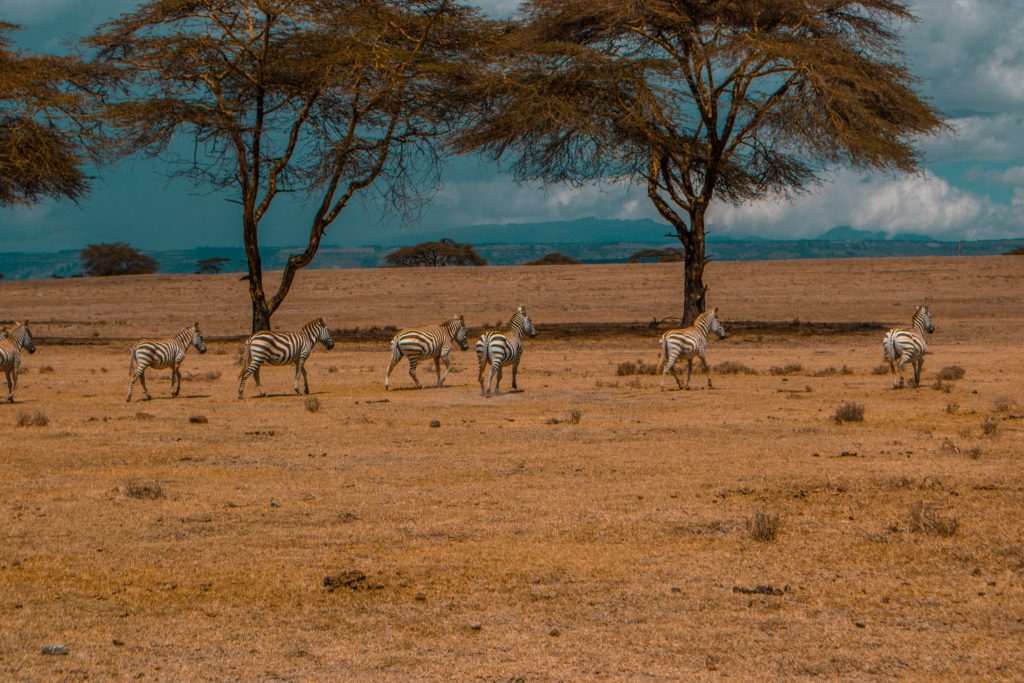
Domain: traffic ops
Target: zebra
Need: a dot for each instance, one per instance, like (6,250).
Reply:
(902,346)
(430,342)
(169,353)
(498,349)
(687,343)
(11,344)
(283,348)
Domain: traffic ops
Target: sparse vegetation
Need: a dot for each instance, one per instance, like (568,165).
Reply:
(666,255)
(832,371)
(435,254)
(628,367)
(208,376)
(143,490)
(926,519)
(787,369)
(764,526)
(989,427)
(950,373)
(731,367)
(952,408)
(944,387)
(882,369)
(116,258)
(32,418)
(46,370)
(211,266)
(849,412)
(572,419)
(554,259)
(312,404)
(1004,404)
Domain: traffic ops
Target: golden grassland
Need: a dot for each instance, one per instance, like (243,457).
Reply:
(589,527)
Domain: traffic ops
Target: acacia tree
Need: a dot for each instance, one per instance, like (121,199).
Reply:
(325,98)
(445,252)
(116,258)
(44,125)
(698,100)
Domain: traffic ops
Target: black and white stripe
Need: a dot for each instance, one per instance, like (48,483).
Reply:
(169,353)
(902,346)
(434,342)
(11,345)
(687,343)
(283,348)
(499,349)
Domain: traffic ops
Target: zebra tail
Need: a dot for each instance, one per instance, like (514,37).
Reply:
(396,351)
(662,356)
(246,358)
(888,352)
(132,363)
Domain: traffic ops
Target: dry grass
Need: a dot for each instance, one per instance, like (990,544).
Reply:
(832,371)
(311,404)
(787,369)
(32,418)
(764,526)
(628,368)
(926,519)
(849,412)
(1004,404)
(492,531)
(989,427)
(881,369)
(208,376)
(950,373)
(143,490)
(731,367)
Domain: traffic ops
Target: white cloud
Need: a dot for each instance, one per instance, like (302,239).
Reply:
(32,11)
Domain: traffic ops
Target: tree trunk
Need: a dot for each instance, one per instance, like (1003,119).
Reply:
(694,289)
(260,310)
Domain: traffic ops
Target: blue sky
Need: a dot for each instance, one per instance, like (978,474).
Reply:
(969,55)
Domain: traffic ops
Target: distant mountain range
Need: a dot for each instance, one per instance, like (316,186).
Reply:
(591,240)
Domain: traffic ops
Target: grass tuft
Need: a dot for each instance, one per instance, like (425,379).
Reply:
(764,526)
(787,369)
(32,418)
(950,373)
(638,368)
(849,412)
(989,427)
(312,404)
(731,367)
(925,519)
(832,371)
(882,369)
(143,490)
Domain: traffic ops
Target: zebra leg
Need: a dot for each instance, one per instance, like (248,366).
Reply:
(141,372)
(132,377)
(10,388)
(175,381)
(495,368)
(437,370)
(670,368)
(256,379)
(447,369)
(254,371)
(305,379)
(918,366)
(412,371)
(515,369)
(689,371)
(707,370)
(904,359)
(391,366)
(892,371)
(298,374)
(497,382)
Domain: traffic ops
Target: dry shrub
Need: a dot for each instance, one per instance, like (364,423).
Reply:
(950,373)
(1004,404)
(731,367)
(952,408)
(880,369)
(925,519)
(831,371)
(638,368)
(208,376)
(989,427)
(32,418)
(974,453)
(787,369)
(849,412)
(332,369)
(312,404)
(944,387)
(46,370)
(764,526)
(573,419)
(144,490)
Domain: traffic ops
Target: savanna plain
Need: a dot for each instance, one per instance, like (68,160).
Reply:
(586,527)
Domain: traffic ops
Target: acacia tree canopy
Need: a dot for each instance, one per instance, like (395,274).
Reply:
(116,258)
(438,254)
(44,126)
(321,98)
(697,101)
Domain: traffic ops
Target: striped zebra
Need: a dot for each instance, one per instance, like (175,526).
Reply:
(902,346)
(283,348)
(433,342)
(498,349)
(11,344)
(159,355)
(687,343)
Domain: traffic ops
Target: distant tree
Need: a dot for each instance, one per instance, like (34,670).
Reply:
(446,252)
(1019,251)
(116,258)
(320,99)
(553,259)
(700,101)
(666,255)
(43,129)
(211,266)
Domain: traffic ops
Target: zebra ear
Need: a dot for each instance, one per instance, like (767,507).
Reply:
(196,324)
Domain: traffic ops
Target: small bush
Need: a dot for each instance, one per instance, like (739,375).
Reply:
(209,376)
(974,453)
(637,368)
(764,526)
(944,387)
(831,371)
(950,373)
(573,419)
(332,369)
(880,369)
(32,419)
(952,408)
(925,519)
(46,370)
(312,404)
(144,490)
(989,427)
(1004,404)
(849,412)
(788,369)
(731,367)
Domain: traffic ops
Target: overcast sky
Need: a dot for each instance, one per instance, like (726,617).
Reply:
(969,55)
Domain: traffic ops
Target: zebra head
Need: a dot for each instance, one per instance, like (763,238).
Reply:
(22,336)
(923,319)
(459,332)
(716,324)
(197,339)
(322,334)
(525,323)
